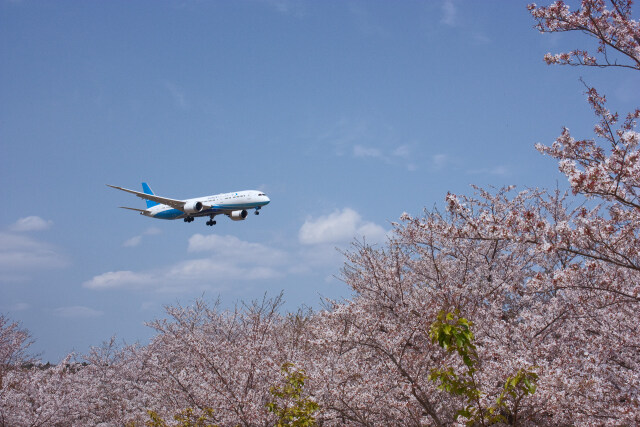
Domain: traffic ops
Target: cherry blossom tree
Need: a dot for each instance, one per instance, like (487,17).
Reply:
(14,342)
(37,395)
(225,360)
(616,33)
(517,308)
(379,341)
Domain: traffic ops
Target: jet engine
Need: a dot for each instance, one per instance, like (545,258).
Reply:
(192,207)
(238,215)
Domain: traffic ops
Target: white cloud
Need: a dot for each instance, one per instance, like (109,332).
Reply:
(213,271)
(480,38)
(371,139)
(152,231)
(360,151)
(132,242)
(19,306)
(439,161)
(227,259)
(344,134)
(136,240)
(449,13)
(77,311)
(371,231)
(22,253)
(119,279)
(402,151)
(294,8)
(400,154)
(31,223)
(318,257)
(339,226)
(177,93)
(231,249)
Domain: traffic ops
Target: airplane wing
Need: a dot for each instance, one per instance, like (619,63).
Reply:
(176,204)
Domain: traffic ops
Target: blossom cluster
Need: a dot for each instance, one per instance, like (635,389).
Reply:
(617,34)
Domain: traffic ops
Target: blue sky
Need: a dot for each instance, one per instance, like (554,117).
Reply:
(346,114)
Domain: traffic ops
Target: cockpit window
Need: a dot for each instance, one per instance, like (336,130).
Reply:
(261,194)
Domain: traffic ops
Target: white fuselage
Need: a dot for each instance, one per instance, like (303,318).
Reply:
(225,203)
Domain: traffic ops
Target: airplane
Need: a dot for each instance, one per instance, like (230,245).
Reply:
(233,205)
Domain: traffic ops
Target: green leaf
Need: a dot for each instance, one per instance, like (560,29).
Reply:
(467,360)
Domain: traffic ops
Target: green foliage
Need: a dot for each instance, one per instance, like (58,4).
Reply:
(288,403)
(516,388)
(453,333)
(185,418)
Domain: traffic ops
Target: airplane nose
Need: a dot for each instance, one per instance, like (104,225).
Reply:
(267,199)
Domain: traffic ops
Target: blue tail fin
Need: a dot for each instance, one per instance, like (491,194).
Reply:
(147,190)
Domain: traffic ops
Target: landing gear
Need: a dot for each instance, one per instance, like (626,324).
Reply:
(257,211)
(188,219)
(211,221)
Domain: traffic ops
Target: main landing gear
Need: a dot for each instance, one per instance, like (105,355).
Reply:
(189,219)
(211,221)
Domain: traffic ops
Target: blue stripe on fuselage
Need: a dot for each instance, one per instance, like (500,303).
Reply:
(219,209)
(240,206)
(168,214)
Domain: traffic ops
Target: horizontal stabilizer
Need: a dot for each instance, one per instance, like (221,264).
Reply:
(133,209)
